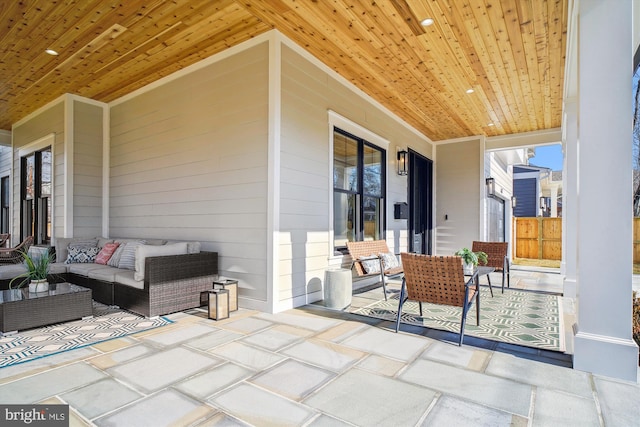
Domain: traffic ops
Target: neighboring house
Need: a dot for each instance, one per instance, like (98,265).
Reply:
(527,188)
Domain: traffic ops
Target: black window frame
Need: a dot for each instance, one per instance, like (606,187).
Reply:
(360,192)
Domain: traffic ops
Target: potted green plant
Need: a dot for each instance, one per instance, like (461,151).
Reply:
(470,259)
(37,272)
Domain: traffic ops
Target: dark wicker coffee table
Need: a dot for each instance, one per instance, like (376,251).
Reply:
(21,310)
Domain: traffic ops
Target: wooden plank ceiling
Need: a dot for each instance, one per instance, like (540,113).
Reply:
(510,52)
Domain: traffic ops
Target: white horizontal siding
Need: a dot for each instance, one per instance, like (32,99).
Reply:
(189,161)
(308,93)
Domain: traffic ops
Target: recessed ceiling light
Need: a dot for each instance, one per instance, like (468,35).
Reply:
(470,91)
(51,52)
(490,124)
(426,22)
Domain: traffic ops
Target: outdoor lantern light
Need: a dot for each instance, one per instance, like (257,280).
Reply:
(219,304)
(513,202)
(232,287)
(543,203)
(491,187)
(402,162)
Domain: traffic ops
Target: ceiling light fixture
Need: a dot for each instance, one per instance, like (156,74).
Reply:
(490,124)
(51,52)
(470,91)
(426,22)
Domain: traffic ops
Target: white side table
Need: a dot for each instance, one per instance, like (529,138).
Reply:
(337,288)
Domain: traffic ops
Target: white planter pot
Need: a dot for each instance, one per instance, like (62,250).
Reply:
(36,286)
(468,268)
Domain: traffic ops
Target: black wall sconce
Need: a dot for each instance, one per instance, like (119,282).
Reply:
(513,202)
(402,162)
(491,187)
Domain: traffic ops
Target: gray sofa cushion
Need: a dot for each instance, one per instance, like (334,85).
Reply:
(106,274)
(9,271)
(84,269)
(126,278)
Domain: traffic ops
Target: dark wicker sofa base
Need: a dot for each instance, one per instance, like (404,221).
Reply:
(171,284)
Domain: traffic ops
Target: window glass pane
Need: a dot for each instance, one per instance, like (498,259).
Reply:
(344,218)
(345,162)
(45,189)
(30,172)
(372,218)
(372,180)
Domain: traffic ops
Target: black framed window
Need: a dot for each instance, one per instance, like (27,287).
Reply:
(358,189)
(4,204)
(35,192)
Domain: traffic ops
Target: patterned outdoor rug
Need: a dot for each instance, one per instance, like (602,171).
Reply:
(107,323)
(517,317)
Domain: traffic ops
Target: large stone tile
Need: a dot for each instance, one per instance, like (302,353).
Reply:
(213,340)
(540,374)
(75,419)
(99,398)
(386,343)
(324,420)
(159,370)
(341,331)
(261,408)
(553,408)
(619,401)
(10,373)
(451,411)
(55,381)
(466,357)
(276,338)
(381,365)
(487,390)
(168,407)
(251,357)
(247,325)
(300,319)
(366,399)
(207,383)
(222,420)
(181,334)
(121,356)
(292,379)
(324,354)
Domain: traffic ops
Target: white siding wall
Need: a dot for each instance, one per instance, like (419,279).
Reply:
(305,249)
(87,169)
(50,120)
(189,161)
(458,193)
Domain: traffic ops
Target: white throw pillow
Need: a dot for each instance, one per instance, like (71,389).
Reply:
(389,260)
(370,266)
(144,251)
(128,255)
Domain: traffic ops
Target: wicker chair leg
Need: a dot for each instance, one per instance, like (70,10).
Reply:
(400,304)
(382,276)
(465,310)
(420,308)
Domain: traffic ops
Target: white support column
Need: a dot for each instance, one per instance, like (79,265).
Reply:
(570,199)
(604,343)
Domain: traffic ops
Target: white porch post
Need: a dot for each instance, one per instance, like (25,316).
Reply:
(570,199)
(604,343)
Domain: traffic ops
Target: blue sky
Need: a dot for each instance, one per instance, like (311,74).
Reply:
(548,156)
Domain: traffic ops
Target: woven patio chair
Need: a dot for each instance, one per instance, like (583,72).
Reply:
(369,253)
(4,238)
(498,258)
(438,280)
(15,255)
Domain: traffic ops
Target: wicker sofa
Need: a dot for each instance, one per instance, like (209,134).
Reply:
(171,283)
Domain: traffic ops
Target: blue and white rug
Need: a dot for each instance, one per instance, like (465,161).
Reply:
(516,317)
(107,323)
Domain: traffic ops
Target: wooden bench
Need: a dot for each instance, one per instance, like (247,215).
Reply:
(367,254)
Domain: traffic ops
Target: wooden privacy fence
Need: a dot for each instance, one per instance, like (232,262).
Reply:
(538,238)
(636,240)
